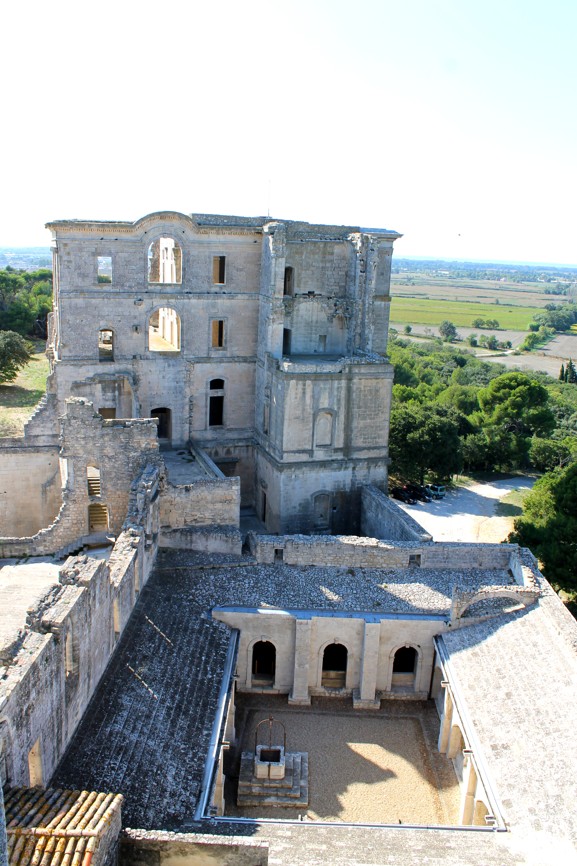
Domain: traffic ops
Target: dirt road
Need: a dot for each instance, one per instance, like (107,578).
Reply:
(468,513)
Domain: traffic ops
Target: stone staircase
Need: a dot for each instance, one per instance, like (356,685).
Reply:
(292,790)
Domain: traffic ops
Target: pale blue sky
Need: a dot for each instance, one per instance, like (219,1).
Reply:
(453,121)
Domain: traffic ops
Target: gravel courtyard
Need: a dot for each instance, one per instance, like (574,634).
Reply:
(377,767)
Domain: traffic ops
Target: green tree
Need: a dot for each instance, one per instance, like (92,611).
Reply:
(407,329)
(14,354)
(423,439)
(448,331)
(548,526)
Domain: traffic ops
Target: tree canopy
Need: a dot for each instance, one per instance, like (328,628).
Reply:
(25,301)
(14,354)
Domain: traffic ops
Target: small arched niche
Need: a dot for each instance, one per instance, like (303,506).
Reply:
(334,668)
(324,429)
(164,330)
(263,663)
(164,261)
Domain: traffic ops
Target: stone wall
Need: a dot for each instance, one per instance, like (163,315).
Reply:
(50,674)
(382,518)
(355,551)
(119,450)
(30,487)
(202,503)
(141,848)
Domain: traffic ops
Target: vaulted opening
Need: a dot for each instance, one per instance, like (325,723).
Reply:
(263,663)
(334,670)
(97,517)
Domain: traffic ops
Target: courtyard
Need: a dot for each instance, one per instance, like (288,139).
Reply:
(378,767)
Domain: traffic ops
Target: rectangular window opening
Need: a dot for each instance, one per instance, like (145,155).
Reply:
(216,411)
(107,413)
(217,334)
(104,269)
(286,341)
(415,560)
(218,270)
(35,764)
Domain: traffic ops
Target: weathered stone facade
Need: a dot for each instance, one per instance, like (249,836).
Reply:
(262,341)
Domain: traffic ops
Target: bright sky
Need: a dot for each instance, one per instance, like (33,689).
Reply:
(451,121)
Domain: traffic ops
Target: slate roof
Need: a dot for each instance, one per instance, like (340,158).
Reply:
(517,676)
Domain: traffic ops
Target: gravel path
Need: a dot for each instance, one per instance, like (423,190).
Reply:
(468,513)
(380,767)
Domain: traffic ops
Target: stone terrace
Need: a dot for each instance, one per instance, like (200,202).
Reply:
(147,731)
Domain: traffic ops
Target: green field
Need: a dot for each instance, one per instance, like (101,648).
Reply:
(427,311)
(17,400)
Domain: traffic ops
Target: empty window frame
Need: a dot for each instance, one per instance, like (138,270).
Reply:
(216,403)
(286,341)
(164,330)
(219,270)
(107,413)
(164,261)
(164,429)
(217,334)
(334,668)
(289,281)
(105,345)
(324,430)
(97,517)
(104,269)
(93,480)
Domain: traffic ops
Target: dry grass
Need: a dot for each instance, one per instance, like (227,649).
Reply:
(18,399)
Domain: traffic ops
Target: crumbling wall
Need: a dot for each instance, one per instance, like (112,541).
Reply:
(160,848)
(204,502)
(119,450)
(48,675)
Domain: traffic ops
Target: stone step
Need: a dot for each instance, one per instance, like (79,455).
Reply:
(275,792)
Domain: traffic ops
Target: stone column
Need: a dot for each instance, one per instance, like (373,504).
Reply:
(446,721)
(365,696)
(300,689)
(469,790)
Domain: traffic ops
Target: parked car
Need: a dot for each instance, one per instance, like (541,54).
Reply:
(420,492)
(403,495)
(437,491)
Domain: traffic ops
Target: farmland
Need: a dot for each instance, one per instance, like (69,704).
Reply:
(433,310)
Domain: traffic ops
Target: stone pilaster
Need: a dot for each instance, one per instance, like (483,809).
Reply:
(365,697)
(300,689)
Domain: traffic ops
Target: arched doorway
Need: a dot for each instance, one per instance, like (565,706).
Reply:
(164,423)
(334,673)
(263,663)
(404,667)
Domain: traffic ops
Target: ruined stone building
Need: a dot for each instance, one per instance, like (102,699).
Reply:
(195,531)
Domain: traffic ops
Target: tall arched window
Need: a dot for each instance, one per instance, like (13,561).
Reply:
(289,281)
(216,403)
(322,511)
(263,663)
(334,672)
(164,261)
(404,668)
(324,430)
(164,330)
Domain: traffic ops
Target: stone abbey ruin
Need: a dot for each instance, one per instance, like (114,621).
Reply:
(196,540)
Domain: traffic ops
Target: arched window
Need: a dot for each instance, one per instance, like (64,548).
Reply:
(105,345)
(263,663)
(216,403)
(289,277)
(334,666)
(164,261)
(324,430)
(404,668)
(164,330)
(93,480)
(164,430)
(322,511)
